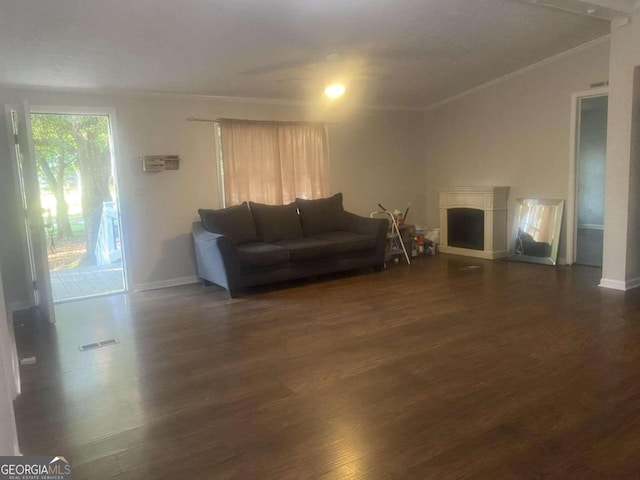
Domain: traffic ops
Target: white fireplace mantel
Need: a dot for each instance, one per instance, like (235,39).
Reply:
(493,202)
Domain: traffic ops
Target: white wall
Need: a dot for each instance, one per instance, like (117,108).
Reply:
(8,435)
(376,156)
(622,226)
(514,133)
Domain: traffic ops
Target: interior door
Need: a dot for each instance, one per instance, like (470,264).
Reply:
(36,243)
(590,176)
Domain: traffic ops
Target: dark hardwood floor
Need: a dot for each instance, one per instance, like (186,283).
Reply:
(450,368)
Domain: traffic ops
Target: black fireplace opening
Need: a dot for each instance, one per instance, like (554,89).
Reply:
(465,228)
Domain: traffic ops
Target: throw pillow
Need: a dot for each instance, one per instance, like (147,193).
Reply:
(276,222)
(322,215)
(235,222)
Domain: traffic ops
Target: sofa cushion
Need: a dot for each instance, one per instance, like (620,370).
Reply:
(321,215)
(303,249)
(260,254)
(347,242)
(276,222)
(235,222)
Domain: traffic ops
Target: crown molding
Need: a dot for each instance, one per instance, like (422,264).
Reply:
(522,71)
(303,103)
(601,9)
(151,94)
(621,6)
(172,95)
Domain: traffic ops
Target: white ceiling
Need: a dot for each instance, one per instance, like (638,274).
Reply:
(417,52)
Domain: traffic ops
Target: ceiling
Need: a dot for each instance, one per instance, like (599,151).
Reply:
(404,53)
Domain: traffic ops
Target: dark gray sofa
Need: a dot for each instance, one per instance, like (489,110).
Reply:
(256,244)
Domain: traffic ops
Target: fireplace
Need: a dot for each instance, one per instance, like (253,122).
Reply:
(465,227)
(473,221)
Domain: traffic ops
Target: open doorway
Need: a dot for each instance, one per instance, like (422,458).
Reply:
(590,159)
(78,195)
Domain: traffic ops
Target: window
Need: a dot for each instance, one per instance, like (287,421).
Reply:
(272,162)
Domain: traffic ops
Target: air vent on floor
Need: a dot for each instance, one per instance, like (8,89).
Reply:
(93,346)
(470,267)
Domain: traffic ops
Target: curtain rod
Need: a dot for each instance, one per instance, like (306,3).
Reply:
(219,120)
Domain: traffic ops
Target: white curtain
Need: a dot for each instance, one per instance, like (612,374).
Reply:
(273,163)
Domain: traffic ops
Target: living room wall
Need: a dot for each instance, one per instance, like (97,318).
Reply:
(8,434)
(376,156)
(515,132)
(621,267)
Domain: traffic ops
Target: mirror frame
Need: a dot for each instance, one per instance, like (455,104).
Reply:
(557,225)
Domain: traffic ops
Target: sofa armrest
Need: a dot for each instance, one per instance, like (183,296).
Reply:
(372,227)
(217,259)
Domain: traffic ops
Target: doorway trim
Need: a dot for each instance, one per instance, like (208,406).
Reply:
(115,155)
(572,196)
(24,240)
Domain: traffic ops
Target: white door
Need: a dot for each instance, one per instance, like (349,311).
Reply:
(36,244)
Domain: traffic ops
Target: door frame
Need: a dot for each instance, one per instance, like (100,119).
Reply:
(24,238)
(115,155)
(38,281)
(572,196)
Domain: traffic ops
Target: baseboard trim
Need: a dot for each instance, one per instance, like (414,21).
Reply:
(173,282)
(612,284)
(620,284)
(633,283)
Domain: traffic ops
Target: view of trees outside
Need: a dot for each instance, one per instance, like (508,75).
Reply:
(74,170)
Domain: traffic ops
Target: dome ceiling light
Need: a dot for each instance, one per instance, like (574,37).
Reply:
(335,90)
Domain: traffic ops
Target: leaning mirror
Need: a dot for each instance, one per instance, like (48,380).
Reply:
(536,228)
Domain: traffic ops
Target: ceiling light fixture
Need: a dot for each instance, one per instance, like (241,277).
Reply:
(335,90)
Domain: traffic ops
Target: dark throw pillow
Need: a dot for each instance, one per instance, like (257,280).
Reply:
(235,222)
(322,215)
(276,222)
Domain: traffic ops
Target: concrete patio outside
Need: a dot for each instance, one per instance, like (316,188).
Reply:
(84,282)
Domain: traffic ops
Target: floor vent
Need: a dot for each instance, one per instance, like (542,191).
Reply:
(470,267)
(93,346)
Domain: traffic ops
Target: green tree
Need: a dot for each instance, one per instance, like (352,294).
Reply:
(55,156)
(77,143)
(91,135)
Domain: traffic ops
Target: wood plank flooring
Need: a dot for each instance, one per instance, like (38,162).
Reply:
(451,368)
